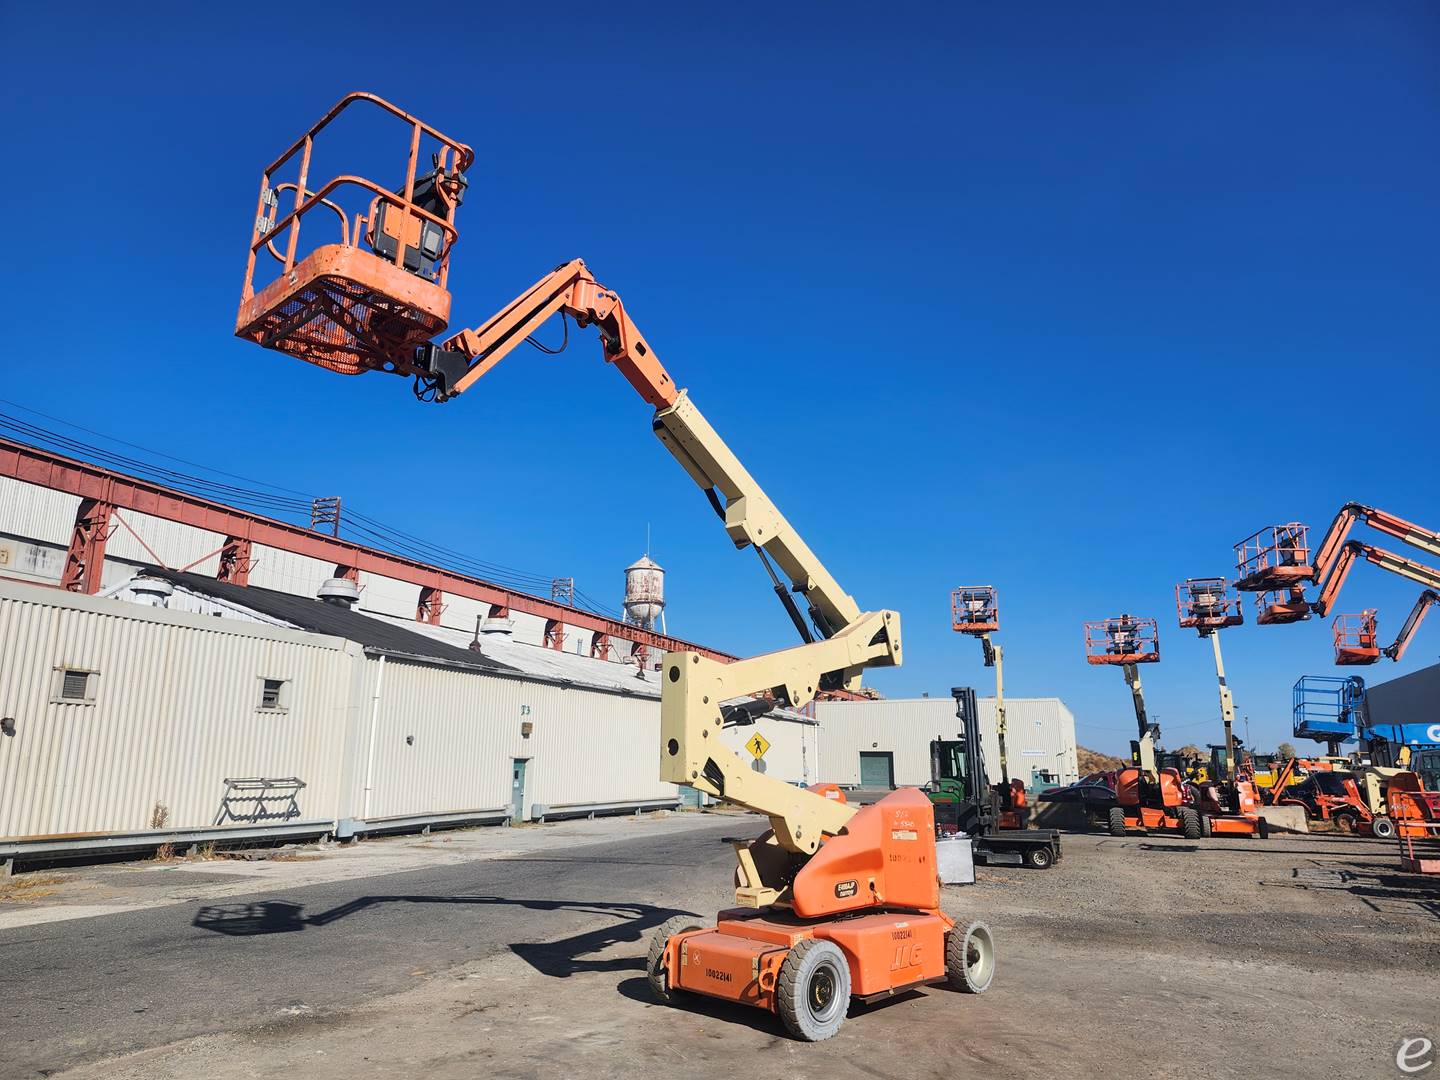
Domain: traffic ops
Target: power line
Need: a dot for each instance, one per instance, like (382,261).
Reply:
(294,503)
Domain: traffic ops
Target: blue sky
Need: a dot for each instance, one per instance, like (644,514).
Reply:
(1062,298)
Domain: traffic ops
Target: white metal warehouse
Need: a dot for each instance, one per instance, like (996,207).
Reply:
(233,712)
(887,742)
(239,711)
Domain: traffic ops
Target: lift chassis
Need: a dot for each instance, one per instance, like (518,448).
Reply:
(831,902)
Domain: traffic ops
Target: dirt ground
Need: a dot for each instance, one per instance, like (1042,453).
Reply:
(1301,956)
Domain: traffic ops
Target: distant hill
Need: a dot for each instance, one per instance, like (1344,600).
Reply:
(1090,761)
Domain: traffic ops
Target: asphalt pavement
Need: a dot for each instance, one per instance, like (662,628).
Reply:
(78,990)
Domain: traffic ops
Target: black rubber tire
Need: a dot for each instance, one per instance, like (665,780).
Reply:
(1189,823)
(1117,821)
(970,958)
(812,994)
(1039,858)
(654,971)
(1205,828)
(1346,821)
(1382,827)
(1263,829)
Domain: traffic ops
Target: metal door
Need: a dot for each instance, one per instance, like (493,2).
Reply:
(877,770)
(517,790)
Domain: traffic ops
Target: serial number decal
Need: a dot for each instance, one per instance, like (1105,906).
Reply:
(718,976)
(904,834)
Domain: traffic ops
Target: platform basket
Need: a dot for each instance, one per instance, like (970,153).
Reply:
(1275,557)
(975,609)
(365,285)
(1123,639)
(1207,604)
(1280,606)
(1356,639)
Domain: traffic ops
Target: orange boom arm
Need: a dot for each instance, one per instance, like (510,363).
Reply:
(571,290)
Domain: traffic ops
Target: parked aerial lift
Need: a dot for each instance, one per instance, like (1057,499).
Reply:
(975,612)
(1147,796)
(966,803)
(1357,637)
(1228,805)
(832,902)
(1277,563)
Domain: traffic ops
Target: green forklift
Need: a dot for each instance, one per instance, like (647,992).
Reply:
(965,803)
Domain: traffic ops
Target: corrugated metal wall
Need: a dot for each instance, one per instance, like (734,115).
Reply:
(175,712)
(464,729)
(1040,733)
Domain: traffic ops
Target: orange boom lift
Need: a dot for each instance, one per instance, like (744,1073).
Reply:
(1147,796)
(832,902)
(1228,805)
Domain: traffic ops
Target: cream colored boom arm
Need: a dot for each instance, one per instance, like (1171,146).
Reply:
(696,690)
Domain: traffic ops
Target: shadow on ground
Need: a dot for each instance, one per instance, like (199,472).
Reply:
(1385,894)
(557,959)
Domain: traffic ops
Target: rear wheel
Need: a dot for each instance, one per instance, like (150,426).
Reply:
(1189,823)
(1346,821)
(1205,827)
(813,991)
(970,958)
(1117,821)
(1040,858)
(1383,827)
(655,963)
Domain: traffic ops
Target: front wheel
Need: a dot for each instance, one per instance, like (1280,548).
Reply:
(970,958)
(655,972)
(1040,858)
(813,992)
(1189,823)
(1117,821)
(1383,827)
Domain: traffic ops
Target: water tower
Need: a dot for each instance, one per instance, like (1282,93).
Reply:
(645,594)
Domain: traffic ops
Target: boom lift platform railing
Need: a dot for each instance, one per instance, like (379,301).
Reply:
(1328,709)
(820,894)
(346,307)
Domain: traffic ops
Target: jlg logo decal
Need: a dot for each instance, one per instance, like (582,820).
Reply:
(906,956)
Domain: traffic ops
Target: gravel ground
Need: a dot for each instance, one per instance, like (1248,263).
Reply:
(1300,956)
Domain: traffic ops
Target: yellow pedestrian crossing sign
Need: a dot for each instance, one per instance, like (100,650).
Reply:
(757,745)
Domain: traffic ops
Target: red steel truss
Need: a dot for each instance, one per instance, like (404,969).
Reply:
(102,491)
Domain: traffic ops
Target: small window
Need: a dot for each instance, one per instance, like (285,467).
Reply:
(75,685)
(272,693)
